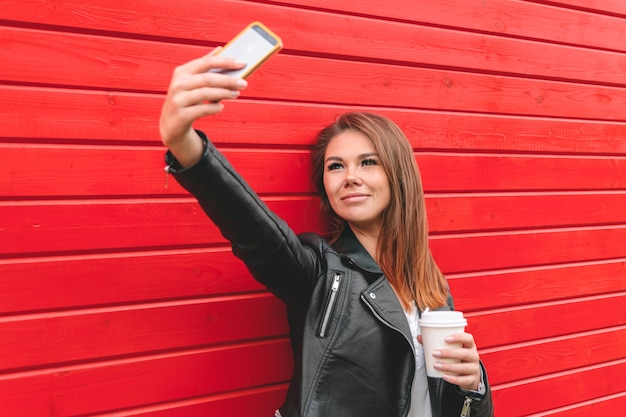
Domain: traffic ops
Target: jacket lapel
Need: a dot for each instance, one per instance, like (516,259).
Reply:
(379,295)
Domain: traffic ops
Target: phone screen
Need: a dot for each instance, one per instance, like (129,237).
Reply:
(252,46)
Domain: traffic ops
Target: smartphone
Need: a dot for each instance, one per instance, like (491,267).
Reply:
(254,45)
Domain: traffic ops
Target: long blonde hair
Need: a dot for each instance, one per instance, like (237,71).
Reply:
(403,252)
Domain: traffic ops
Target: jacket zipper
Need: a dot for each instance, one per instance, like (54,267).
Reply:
(167,175)
(467,404)
(330,304)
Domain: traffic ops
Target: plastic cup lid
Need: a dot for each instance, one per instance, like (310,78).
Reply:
(442,319)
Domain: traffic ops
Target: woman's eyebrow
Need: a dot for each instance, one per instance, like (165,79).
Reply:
(362,156)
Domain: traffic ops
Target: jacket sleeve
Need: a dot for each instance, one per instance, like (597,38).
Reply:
(481,403)
(270,249)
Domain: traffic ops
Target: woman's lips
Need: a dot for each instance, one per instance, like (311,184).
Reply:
(354,197)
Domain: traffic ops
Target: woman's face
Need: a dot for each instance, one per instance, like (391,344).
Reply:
(355,182)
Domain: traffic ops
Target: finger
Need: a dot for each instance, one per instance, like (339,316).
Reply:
(466,339)
(460,368)
(207,63)
(466,375)
(207,80)
(460,354)
(466,382)
(203,95)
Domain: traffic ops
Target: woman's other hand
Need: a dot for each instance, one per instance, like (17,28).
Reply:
(466,374)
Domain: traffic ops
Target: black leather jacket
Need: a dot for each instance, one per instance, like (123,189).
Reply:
(352,346)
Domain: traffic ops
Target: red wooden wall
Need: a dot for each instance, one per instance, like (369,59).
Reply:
(118,297)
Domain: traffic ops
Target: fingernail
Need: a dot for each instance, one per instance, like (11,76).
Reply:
(449,339)
(242,83)
(436,353)
(234,93)
(437,365)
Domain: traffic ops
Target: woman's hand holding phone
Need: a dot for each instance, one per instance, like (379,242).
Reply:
(199,86)
(195,91)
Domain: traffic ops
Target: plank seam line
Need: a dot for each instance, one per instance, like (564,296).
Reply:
(558,374)
(534,193)
(305,195)
(141,200)
(121,254)
(304,149)
(589,10)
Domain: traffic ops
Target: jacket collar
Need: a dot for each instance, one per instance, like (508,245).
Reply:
(349,246)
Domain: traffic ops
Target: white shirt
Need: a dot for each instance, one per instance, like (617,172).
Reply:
(420,399)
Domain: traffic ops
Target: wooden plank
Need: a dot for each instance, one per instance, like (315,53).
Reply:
(101,117)
(544,357)
(599,406)
(145,19)
(492,173)
(134,277)
(499,17)
(511,18)
(114,278)
(611,7)
(69,60)
(508,288)
(57,114)
(77,170)
(33,341)
(135,382)
(71,282)
(560,390)
(540,321)
(123,63)
(97,226)
(492,251)
(260,402)
(473,252)
(490,212)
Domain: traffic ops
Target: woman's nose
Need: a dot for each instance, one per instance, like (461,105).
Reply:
(351,178)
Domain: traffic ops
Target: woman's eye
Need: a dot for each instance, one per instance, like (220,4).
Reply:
(369,161)
(334,166)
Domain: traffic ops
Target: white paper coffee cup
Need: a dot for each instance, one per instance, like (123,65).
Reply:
(435,326)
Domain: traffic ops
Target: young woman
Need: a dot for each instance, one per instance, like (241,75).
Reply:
(354,298)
